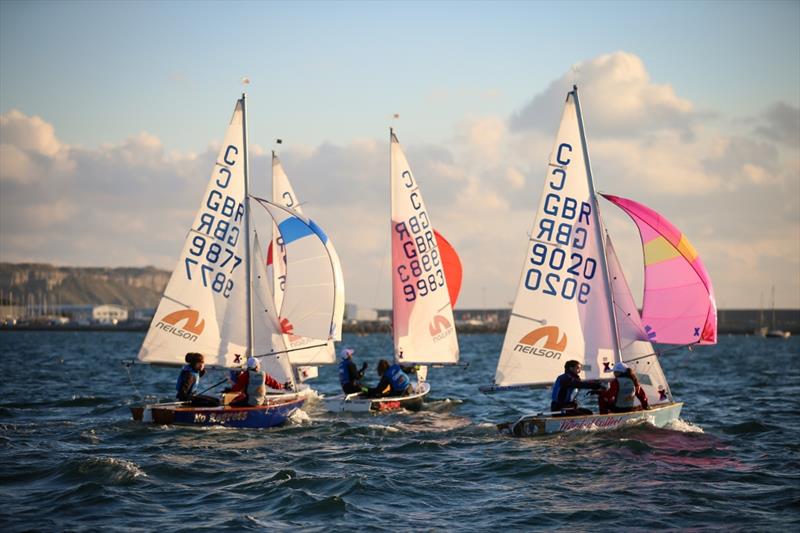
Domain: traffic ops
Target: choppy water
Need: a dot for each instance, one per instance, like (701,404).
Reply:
(71,458)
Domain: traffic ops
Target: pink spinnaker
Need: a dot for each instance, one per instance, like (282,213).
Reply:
(678,306)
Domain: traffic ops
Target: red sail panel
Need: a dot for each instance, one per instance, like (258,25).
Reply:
(452,267)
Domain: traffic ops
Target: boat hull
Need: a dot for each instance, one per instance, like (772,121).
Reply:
(356,403)
(272,414)
(539,424)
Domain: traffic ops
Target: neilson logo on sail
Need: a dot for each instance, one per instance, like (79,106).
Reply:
(193,325)
(552,348)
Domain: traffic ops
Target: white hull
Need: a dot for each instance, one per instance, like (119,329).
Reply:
(541,424)
(356,403)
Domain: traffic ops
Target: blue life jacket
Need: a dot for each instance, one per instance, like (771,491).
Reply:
(193,372)
(344,371)
(397,378)
(571,392)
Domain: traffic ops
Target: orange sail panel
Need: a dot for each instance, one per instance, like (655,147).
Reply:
(452,267)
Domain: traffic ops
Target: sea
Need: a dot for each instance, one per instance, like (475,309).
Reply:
(72,459)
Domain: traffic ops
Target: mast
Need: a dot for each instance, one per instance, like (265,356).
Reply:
(248,270)
(598,232)
(391,269)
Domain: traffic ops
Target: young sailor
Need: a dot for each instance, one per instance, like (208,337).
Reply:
(619,396)
(253,385)
(565,391)
(349,375)
(188,381)
(394,380)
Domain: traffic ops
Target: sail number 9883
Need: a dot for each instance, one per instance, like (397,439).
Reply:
(554,284)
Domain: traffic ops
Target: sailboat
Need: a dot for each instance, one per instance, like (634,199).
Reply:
(774,332)
(426,280)
(304,353)
(573,302)
(219,303)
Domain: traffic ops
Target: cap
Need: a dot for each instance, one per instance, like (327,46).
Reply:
(347,352)
(253,363)
(620,367)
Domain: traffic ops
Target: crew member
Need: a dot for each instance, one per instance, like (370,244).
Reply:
(188,381)
(394,381)
(252,385)
(565,391)
(349,375)
(619,398)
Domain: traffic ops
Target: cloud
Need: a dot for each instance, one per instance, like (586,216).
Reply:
(781,123)
(617,96)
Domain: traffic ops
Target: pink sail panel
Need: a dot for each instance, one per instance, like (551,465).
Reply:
(452,267)
(679,306)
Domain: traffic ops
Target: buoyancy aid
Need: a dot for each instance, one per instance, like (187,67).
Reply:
(256,390)
(625,393)
(571,393)
(398,378)
(194,373)
(344,371)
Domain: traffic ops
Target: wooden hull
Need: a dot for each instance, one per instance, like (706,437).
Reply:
(274,413)
(540,424)
(357,403)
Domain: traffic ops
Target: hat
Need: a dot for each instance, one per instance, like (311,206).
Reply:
(347,352)
(620,367)
(253,363)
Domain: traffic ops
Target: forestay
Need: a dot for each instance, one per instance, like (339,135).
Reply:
(314,292)
(283,194)
(561,310)
(424,327)
(678,305)
(204,305)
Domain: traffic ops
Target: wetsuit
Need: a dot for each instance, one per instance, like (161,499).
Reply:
(565,392)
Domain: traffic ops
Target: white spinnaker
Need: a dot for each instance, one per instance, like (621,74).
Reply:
(312,302)
(283,194)
(424,327)
(203,307)
(636,350)
(561,309)
(267,336)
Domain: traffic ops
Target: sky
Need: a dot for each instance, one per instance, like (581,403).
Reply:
(111,115)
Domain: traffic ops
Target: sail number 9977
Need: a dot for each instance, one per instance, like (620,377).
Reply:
(554,284)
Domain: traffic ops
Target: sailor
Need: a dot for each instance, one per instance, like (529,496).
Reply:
(619,398)
(394,380)
(349,375)
(252,385)
(565,391)
(188,381)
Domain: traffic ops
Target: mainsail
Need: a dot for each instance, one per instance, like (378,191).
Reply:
(561,310)
(424,327)
(283,194)
(205,304)
(678,305)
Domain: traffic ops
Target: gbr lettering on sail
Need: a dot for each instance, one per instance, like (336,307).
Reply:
(559,262)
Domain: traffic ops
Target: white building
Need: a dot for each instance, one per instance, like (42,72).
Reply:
(109,314)
(353,312)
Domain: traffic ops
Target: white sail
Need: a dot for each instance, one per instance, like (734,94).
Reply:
(637,351)
(314,291)
(424,328)
(204,305)
(561,310)
(267,335)
(283,194)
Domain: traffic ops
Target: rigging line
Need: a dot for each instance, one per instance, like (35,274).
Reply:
(674,348)
(291,350)
(130,377)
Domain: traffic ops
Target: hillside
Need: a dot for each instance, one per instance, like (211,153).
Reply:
(24,284)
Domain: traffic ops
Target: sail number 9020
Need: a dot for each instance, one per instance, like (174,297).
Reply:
(554,284)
